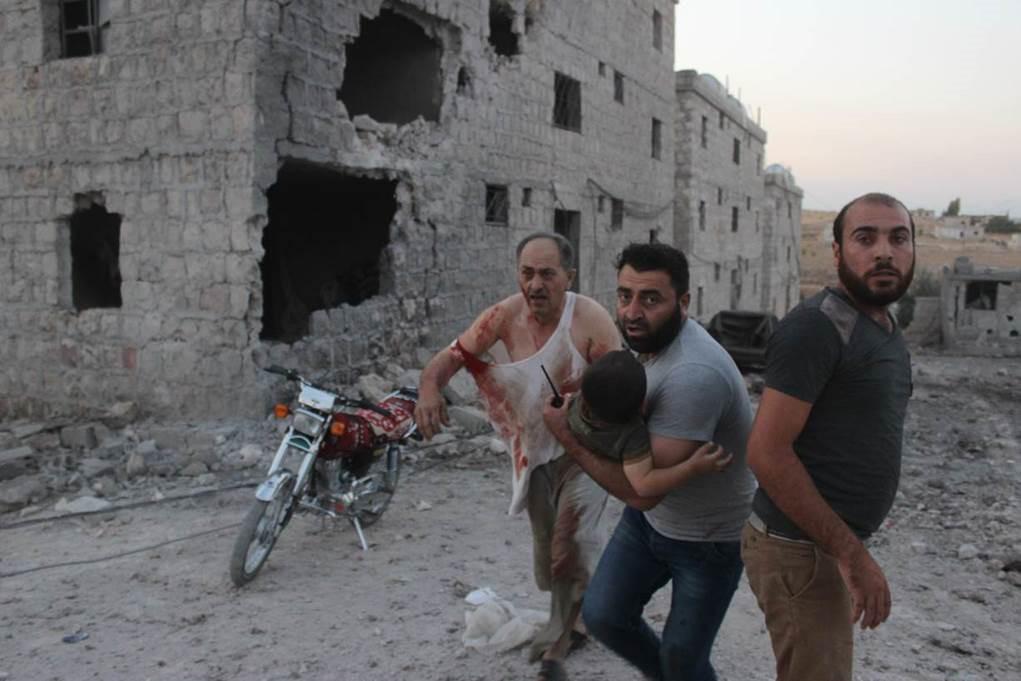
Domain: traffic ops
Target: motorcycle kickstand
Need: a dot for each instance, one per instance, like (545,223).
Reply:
(361,535)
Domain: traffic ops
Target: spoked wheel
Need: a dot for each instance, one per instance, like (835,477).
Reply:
(384,473)
(259,532)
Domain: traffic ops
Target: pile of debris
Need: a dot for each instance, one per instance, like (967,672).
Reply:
(89,465)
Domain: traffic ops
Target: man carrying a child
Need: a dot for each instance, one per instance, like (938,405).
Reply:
(689,535)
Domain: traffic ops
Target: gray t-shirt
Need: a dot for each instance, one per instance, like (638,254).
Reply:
(697,393)
(857,377)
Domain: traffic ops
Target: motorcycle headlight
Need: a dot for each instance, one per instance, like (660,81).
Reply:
(306,422)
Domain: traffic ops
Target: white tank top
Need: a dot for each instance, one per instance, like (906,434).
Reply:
(514,394)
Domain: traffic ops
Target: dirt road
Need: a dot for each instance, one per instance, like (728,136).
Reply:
(323,609)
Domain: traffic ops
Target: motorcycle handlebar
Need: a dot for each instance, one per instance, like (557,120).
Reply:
(349,401)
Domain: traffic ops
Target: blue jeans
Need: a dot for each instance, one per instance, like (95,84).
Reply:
(637,562)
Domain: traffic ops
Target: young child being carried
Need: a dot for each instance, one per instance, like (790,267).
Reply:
(606,418)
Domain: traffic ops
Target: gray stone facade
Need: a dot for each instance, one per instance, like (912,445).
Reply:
(781,246)
(215,189)
(726,218)
(980,309)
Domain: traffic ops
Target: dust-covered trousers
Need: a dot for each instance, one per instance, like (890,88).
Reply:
(565,507)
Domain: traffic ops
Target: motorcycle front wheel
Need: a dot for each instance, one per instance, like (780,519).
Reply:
(259,531)
(386,472)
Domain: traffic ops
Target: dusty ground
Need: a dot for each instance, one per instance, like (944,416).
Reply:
(932,253)
(322,609)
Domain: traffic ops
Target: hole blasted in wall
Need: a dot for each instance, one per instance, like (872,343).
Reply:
(95,254)
(323,243)
(502,37)
(393,71)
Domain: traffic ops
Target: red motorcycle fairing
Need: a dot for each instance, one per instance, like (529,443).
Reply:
(366,429)
(357,437)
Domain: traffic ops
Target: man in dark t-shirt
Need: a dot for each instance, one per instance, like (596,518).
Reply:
(826,448)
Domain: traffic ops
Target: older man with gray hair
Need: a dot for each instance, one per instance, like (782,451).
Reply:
(543,326)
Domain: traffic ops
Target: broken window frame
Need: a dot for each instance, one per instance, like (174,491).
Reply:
(497,205)
(93,244)
(616,214)
(566,102)
(502,38)
(97,18)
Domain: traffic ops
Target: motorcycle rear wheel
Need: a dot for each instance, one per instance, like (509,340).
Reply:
(258,534)
(387,471)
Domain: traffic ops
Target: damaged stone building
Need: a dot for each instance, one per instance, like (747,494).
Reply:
(981,309)
(740,223)
(191,190)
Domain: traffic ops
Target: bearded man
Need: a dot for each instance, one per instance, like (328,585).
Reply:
(695,396)
(826,448)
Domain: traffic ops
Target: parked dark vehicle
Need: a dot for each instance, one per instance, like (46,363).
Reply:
(744,335)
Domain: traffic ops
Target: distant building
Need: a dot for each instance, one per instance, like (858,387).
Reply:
(961,227)
(739,224)
(981,309)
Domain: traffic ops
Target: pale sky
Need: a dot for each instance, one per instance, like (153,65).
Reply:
(920,99)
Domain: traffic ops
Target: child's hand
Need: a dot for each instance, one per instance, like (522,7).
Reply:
(710,458)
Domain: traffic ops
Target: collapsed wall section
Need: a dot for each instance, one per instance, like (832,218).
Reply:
(125,193)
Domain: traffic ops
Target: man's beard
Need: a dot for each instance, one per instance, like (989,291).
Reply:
(658,339)
(859,289)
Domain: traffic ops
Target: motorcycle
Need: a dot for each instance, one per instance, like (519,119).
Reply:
(339,457)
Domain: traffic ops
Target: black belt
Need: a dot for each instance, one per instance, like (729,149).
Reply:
(757,523)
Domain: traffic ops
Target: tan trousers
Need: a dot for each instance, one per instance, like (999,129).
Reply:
(806,604)
(564,506)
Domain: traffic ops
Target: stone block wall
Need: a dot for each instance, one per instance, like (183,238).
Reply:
(181,125)
(719,171)
(781,211)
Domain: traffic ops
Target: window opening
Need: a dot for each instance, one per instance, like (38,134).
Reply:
(465,84)
(716,271)
(95,254)
(748,203)
(616,213)
(602,68)
(701,215)
(734,211)
(719,196)
(84,27)
(497,204)
(393,71)
(567,223)
(323,244)
(737,151)
(501,29)
(566,102)
(526,197)
(657,138)
(981,295)
(705,132)
(723,120)
(657,30)
(698,302)
(618,87)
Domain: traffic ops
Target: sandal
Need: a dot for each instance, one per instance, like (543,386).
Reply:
(578,641)
(552,670)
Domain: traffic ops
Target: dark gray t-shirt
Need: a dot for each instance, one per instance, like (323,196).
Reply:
(695,392)
(857,376)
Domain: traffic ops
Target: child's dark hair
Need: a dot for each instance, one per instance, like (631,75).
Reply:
(613,387)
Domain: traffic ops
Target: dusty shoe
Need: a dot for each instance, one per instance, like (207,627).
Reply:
(552,670)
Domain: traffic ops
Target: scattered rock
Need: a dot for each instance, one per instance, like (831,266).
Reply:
(20,492)
(461,390)
(194,468)
(120,414)
(967,551)
(409,379)
(105,486)
(136,465)
(471,419)
(94,467)
(27,430)
(147,447)
(423,506)
(85,504)
(79,436)
(13,462)
(365,123)
(497,446)
(372,387)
